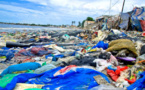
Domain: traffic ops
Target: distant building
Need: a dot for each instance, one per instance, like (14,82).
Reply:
(67,26)
(101,18)
(73,26)
(111,21)
(86,23)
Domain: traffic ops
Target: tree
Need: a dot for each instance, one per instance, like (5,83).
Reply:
(79,25)
(90,19)
(83,23)
(73,22)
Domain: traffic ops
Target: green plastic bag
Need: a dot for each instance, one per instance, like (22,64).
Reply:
(89,48)
(44,63)
(34,89)
(30,71)
(6,79)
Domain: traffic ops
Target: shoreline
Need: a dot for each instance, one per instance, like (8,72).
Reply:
(39,29)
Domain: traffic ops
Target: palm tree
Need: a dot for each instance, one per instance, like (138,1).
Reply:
(73,22)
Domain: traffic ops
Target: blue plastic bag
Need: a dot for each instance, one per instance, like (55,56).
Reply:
(49,55)
(8,53)
(55,58)
(101,44)
(82,44)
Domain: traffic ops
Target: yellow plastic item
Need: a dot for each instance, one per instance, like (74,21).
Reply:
(18,72)
(2,57)
(95,49)
(23,86)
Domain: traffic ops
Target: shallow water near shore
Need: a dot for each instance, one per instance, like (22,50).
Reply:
(13,28)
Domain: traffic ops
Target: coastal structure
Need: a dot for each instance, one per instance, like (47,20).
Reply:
(88,23)
(132,20)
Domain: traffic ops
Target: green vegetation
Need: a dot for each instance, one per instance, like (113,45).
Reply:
(83,23)
(73,22)
(88,19)
(79,24)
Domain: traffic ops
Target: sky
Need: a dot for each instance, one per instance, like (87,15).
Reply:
(58,12)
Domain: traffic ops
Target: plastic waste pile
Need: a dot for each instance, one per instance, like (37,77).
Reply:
(72,60)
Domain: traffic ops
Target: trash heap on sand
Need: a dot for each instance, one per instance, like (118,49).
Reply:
(72,60)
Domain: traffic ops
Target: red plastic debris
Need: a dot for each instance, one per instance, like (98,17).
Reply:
(119,69)
(67,68)
(132,80)
(112,74)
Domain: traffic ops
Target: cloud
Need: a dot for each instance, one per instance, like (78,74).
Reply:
(65,11)
(86,7)
(19,9)
(41,2)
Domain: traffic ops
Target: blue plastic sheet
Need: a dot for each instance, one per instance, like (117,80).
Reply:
(21,67)
(74,53)
(101,44)
(82,44)
(8,53)
(125,19)
(5,48)
(138,14)
(79,79)
(136,23)
(139,84)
